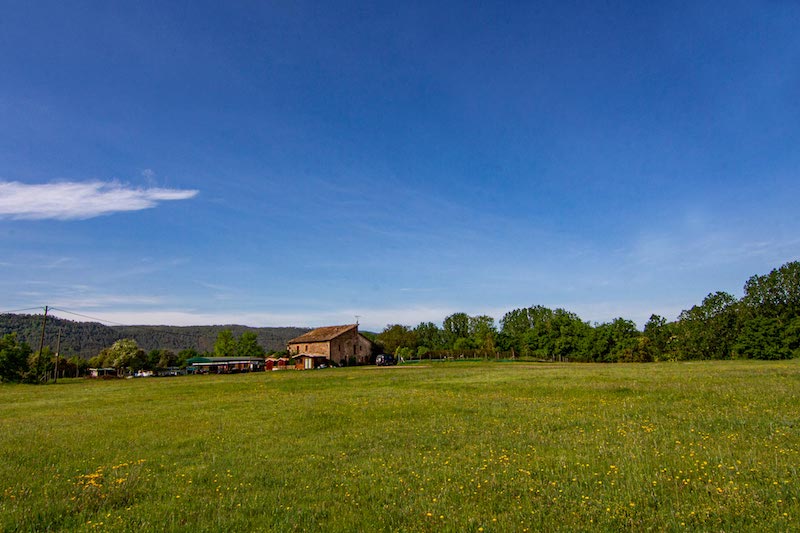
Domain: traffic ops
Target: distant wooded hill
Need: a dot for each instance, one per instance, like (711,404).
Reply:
(86,339)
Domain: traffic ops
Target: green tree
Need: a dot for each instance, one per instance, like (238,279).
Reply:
(657,332)
(516,323)
(537,340)
(762,338)
(125,354)
(39,365)
(396,336)
(709,330)
(152,359)
(568,337)
(101,360)
(404,352)
(791,337)
(527,330)
(76,366)
(775,295)
(225,344)
(429,335)
(482,333)
(166,359)
(248,346)
(184,355)
(455,326)
(463,344)
(614,341)
(640,351)
(13,358)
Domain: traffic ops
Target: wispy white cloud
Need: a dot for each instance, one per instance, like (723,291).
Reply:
(374,319)
(102,301)
(84,299)
(80,200)
(370,319)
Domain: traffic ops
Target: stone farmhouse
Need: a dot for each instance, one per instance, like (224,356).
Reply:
(341,345)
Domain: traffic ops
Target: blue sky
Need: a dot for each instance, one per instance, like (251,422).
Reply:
(291,163)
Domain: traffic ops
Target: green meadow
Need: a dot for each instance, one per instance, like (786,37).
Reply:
(437,447)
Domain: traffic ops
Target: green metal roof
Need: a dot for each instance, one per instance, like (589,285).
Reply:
(194,360)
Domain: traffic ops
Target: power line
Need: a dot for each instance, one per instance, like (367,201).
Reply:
(63,311)
(87,316)
(21,310)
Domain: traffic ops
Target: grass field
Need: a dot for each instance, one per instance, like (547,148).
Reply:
(444,447)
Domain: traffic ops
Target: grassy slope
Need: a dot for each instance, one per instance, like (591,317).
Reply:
(454,446)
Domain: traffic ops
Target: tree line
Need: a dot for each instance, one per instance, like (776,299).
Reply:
(87,339)
(763,324)
(18,362)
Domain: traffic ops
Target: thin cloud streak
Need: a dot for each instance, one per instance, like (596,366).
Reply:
(80,200)
(371,319)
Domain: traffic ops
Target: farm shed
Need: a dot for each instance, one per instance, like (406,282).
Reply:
(275,363)
(102,372)
(225,365)
(309,361)
(340,344)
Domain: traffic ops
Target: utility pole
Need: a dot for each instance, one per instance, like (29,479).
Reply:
(58,348)
(41,344)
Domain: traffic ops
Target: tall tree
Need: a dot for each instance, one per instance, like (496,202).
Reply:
(569,336)
(125,354)
(527,330)
(709,330)
(657,333)
(225,345)
(167,358)
(396,336)
(615,340)
(40,364)
(482,333)
(762,338)
(455,326)
(791,337)
(248,346)
(775,295)
(428,335)
(184,355)
(13,358)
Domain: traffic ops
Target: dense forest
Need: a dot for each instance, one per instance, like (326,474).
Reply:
(87,339)
(763,324)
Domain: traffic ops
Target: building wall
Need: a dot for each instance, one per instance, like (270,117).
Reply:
(349,345)
(321,348)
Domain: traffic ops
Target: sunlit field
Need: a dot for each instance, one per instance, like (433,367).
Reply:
(438,447)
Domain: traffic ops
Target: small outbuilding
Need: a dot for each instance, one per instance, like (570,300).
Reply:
(278,363)
(310,361)
(102,372)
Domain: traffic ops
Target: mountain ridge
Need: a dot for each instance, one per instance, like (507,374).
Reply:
(86,339)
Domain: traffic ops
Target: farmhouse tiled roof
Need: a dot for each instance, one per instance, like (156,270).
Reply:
(323,334)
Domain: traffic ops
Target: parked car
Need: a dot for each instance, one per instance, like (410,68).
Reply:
(385,359)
